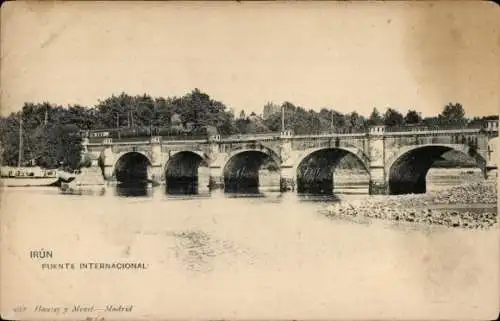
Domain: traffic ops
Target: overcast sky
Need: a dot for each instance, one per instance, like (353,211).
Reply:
(349,56)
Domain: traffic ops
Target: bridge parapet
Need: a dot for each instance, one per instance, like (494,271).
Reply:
(488,125)
(492,125)
(100,136)
(377,130)
(184,138)
(342,131)
(430,131)
(286,134)
(332,134)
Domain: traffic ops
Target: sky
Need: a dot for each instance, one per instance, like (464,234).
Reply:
(350,56)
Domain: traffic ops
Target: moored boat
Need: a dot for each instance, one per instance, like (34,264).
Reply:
(27,177)
(28,181)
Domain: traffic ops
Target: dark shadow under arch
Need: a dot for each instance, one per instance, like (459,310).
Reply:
(315,173)
(131,168)
(181,173)
(407,175)
(241,172)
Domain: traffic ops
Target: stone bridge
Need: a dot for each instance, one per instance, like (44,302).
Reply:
(395,161)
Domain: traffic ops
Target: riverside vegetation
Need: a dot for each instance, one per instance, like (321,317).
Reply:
(454,207)
(51,132)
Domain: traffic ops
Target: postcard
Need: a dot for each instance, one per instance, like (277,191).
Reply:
(249,160)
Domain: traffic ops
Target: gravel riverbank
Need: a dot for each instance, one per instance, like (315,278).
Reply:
(428,208)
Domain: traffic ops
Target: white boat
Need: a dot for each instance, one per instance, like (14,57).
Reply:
(27,176)
(28,181)
(34,176)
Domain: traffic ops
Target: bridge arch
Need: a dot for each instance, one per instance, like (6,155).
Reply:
(315,169)
(407,169)
(241,168)
(132,167)
(182,171)
(185,162)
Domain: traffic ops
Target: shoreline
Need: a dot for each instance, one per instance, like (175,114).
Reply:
(470,206)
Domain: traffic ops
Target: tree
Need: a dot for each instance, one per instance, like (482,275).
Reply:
(412,117)
(339,120)
(198,109)
(10,139)
(67,145)
(51,132)
(452,114)
(273,122)
(329,117)
(269,109)
(116,111)
(375,118)
(355,120)
(163,110)
(430,121)
(256,125)
(393,118)
(241,125)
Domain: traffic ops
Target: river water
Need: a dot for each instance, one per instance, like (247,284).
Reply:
(267,255)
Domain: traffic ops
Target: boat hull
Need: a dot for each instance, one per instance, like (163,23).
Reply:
(27,182)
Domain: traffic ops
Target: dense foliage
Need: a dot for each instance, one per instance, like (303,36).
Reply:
(51,132)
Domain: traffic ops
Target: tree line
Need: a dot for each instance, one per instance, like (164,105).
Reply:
(51,133)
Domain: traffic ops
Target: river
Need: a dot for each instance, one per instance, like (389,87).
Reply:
(256,256)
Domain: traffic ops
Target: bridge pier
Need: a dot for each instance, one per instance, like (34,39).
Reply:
(216,178)
(288,179)
(378,184)
(155,174)
(108,160)
(108,172)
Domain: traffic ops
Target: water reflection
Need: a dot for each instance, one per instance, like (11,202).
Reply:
(241,189)
(320,187)
(139,189)
(240,194)
(86,192)
(242,186)
(248,188)
(182,186)
(318,197)
(191,188)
